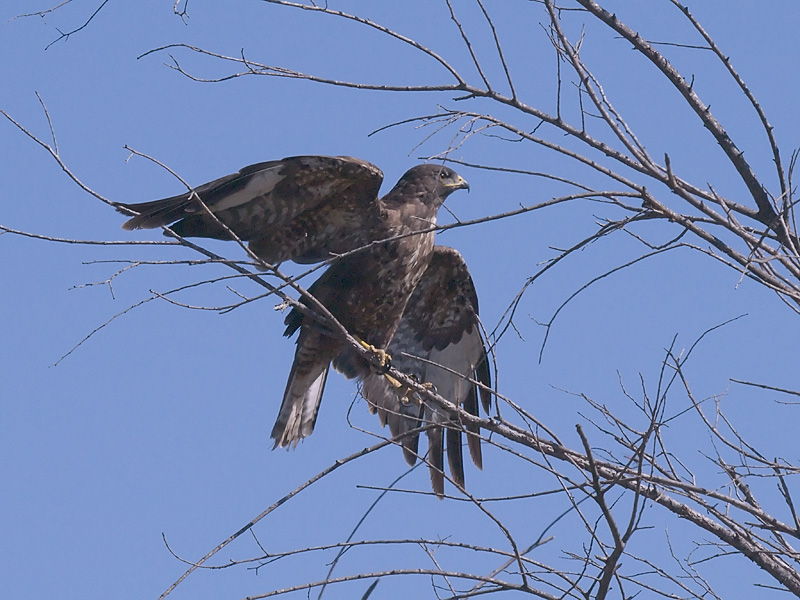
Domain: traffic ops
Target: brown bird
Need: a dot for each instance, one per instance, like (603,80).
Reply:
(367,292)
(309,209)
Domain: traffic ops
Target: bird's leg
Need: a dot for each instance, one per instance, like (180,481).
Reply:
(384,359)
(384,362)
(409,396)
(428,386)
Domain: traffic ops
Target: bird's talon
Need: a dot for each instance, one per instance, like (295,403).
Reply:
(409,396)
(384,359)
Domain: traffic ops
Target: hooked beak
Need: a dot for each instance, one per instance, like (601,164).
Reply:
(461,184)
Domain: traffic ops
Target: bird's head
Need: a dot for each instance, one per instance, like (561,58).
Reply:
(449,181)
(432,182)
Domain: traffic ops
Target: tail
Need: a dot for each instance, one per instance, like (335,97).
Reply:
(301,400)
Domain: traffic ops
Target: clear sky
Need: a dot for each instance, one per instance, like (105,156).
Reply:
(159,422)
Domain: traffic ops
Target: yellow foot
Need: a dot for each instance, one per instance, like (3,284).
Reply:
(404,393)
(408,396)
(384,359)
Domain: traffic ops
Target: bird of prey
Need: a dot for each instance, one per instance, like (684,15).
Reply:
(439,343)
(309,209)
(366,292)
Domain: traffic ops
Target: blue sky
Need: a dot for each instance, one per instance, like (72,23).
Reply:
(159,422)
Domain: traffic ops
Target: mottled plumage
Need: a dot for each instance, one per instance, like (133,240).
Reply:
(303,208)
(440,326)
(309,209)
(367,292)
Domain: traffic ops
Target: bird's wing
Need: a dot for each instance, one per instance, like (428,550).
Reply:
(261,198)
(303,395)
(440,326)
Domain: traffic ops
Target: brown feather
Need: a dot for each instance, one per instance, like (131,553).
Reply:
(455,458)
(436,460)
(440,324)
(301,399)
(269,200)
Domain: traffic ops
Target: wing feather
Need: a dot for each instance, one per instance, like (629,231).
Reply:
(441,325)
(436,460)
(301,400)
(265,202)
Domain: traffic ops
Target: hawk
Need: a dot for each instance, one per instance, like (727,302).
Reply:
(309,209)
(438,342)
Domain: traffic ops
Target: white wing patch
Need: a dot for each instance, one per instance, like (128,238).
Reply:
(260,184)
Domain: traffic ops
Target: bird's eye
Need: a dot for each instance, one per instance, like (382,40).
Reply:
(443,175)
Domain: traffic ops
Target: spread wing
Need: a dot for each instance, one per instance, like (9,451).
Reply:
(440,324)
(301,208)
